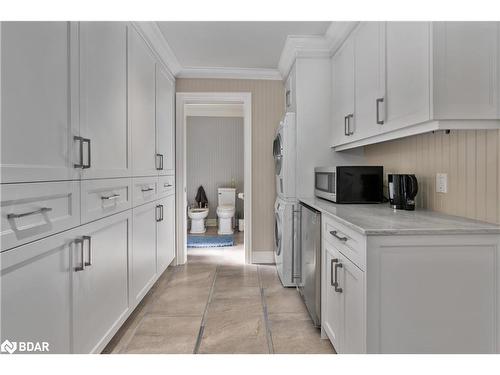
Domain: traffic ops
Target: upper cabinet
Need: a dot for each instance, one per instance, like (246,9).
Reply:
(165,122)
(38,124)
(103,98)
(142,102)
(415,77)
(466,70)
(343,93)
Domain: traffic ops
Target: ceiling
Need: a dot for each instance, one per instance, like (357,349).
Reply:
(255,45)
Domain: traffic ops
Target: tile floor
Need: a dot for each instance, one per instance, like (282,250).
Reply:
(217,304)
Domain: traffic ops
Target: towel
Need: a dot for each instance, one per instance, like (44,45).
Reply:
(201,198)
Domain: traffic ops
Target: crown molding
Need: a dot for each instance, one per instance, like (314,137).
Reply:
(151,32)
(314,46)
(230,73)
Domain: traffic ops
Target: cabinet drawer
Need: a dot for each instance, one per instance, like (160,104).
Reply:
(105,197)
(35,210)
(349,242)
(144,189)
(166,186)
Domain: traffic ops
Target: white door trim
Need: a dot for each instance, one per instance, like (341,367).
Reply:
(183,99)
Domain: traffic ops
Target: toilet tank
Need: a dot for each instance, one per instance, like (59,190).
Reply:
(227,196)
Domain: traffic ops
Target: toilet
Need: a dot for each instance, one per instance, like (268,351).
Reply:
(226,209)
(198,216)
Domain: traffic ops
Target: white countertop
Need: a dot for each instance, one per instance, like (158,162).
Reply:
(381,219)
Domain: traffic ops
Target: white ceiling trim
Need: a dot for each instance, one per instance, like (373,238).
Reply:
(151,32)
(313,46)
(214,110)
(230,73)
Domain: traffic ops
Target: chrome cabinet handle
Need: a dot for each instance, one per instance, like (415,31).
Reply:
(287,98)
(346,125)
(349,117)
(332,262)
(81,141)
(146,189)
(82,252)
(160,166)
(159,209)
(334,234)
(336,283)
(167,185)
(377,104)
(110,197)
(88,238)
(39,211)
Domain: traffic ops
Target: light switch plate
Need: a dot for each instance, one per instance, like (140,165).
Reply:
(441,182)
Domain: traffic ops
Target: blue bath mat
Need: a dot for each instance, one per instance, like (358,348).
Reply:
(210,241)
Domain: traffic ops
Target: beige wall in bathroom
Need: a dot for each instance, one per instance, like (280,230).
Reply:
(470,158)
(267,110)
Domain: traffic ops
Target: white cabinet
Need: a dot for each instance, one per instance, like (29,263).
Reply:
(416,77)
(407,75)
(466,70)
(343,93)
(290,91)
(103,98)
(38,123)
(331,309)
(369,73)
(165,122)
(165,242)
(343,308)
(143,257)
(100,281)
(141,101)
(31,211)
(36,292)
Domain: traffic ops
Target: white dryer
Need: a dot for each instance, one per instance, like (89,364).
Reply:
(284,152)
(286,240)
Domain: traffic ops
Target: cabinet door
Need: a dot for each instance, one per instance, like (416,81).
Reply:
(37,126)
(331,312)
(165,244)
(143,260)
(407,99)
(466,81)
(343,93)
(103,97)
(36,292)
(100,291)
(165,122)
(141,84)
(351,280)
(369,56)
(290,93)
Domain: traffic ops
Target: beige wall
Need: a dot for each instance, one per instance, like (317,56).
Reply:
(471,159)
(267,110)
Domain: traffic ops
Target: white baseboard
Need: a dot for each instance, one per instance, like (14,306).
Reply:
(263,257)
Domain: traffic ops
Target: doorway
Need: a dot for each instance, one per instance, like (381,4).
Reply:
(189,108)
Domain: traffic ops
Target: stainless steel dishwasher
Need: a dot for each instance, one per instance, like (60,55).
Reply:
(309,284)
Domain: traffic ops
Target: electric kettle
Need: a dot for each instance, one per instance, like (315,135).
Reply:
(402,191)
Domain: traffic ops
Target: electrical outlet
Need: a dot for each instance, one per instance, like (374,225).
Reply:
(441,183)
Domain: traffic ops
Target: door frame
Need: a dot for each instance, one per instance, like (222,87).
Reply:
(186,98)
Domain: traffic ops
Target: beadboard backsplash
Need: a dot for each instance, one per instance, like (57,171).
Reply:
(469,157)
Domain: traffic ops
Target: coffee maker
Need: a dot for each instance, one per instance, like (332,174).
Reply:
(402,191)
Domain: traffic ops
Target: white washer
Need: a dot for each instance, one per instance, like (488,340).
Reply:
(285,239)
(284,151)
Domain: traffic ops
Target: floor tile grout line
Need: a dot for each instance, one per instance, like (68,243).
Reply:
(204,316)
(269,337)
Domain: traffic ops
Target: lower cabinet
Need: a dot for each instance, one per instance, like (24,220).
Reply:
(143,259)
(344,310)
(36,292)
(100,281)
(165,233)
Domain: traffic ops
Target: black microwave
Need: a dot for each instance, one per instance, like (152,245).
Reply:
(350,184)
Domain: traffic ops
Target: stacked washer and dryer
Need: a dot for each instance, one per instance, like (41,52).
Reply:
(285,207)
